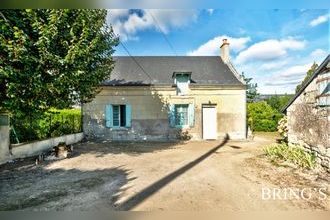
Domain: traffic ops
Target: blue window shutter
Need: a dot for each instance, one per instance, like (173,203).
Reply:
(108,116)
(128,115)
(171,115)
(191,115)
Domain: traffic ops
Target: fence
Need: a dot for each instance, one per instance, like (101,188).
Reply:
(48,125)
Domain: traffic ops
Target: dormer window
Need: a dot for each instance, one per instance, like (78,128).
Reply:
(182,80)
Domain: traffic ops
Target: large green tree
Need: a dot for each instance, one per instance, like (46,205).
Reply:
(52,58)
(251,92)
(308,75)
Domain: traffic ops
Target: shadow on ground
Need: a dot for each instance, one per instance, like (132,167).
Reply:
(153,188)
(33,187)
(25,186)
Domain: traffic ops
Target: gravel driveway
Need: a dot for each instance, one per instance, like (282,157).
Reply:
(190,176)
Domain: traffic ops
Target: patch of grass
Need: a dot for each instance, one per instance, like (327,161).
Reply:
(293,154)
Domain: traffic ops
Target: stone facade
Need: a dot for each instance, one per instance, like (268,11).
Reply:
(150,119)
(309,124)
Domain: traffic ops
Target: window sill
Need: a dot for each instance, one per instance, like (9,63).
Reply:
(182,126)
(120,128)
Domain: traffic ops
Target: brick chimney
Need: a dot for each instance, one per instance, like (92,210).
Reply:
(224,48)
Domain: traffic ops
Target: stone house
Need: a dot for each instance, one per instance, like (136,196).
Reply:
(308,115)
(169,97)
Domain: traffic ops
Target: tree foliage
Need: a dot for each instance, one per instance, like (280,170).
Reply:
(262,117)
(278,102)
(308,75)
(251,93)
(52,58)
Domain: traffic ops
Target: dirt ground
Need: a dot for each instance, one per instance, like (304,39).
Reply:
(192,176)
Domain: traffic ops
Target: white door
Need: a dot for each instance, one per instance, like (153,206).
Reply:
(209,122)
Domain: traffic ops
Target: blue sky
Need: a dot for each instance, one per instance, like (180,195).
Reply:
(274,47)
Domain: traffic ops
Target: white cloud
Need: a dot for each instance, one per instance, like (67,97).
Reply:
(318,53)
(298,71)
(273,65)
(212,47)
(283,82)
(288,75)
(210,11)
(319,20)
(127,23)
(269,50)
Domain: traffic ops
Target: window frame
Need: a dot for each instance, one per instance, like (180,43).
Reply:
(176,106)
(178,91)
(119,116)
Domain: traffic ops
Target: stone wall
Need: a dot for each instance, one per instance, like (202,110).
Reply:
(150,112)
(309,124)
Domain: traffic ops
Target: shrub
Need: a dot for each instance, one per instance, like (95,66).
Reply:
(293,154)
(262,117)
(53,123)
(183,135)
(282,128)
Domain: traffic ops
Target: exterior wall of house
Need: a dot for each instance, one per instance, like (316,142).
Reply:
(150,117)
(309,124)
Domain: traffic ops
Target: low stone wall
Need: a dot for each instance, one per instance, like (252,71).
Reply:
(35,148)
(4,137)
(322,154)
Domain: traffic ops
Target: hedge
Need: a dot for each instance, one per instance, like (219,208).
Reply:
(53,123)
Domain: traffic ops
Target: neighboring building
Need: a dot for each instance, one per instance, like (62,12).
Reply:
(162,97)
(309,114)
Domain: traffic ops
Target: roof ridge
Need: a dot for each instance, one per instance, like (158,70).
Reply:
(303,87)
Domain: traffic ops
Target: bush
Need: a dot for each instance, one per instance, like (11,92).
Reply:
(53,123)
(294,154)
(183,135)
(282,128)
(262,117)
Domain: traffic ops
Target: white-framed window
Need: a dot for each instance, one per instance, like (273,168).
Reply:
(323,83)
(181,115)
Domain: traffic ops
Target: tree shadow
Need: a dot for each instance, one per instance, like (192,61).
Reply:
(30,187)
(25,186)
(153,188)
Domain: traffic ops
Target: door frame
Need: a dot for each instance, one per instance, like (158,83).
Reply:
(210,105)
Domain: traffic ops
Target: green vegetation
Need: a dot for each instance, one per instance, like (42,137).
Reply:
(262,117)
(293,154)
(52,58)
(308,75)
(53,123)
(251,89)
(278,102)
